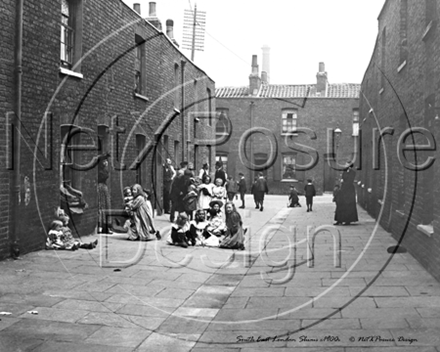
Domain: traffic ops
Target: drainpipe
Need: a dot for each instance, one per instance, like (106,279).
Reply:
(182,108)
(251,125)
(17,124)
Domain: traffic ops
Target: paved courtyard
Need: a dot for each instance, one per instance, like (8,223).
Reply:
(337,291)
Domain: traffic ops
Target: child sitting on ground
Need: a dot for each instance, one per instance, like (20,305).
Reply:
(54,236)
(217,226)
(60,236)
(180,231)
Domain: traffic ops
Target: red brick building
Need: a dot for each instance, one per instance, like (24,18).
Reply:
(109,81)
(401,98)
(290,129)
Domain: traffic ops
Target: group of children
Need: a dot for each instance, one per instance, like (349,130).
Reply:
(203,230)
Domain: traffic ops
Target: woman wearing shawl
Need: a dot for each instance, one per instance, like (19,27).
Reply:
(143,229)
(234,238)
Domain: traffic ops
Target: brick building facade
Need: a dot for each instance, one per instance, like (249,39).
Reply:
(401,97)
(289,132)
(113,82)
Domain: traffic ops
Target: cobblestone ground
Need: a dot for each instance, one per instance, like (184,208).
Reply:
(336,291)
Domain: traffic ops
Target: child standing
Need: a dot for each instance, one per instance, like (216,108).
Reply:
(310,192)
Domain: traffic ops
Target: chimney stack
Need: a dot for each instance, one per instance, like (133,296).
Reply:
(266,62)
(137,8)
(170,31)
(321,80)
(254,78)
(152,18)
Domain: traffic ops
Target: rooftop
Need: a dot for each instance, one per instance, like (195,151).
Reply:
(335,90)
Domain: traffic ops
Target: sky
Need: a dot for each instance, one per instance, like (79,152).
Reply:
(300,34)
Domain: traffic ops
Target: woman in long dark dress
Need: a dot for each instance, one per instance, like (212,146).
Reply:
(234,238)
(345,199)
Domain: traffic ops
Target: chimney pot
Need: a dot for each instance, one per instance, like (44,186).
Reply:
(152,9)
(266,62)
(254,78)
(170,31)
(321,80)
(137,8)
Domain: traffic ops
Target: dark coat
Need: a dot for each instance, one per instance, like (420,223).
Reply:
(242,186)
(261,185)
(310,191)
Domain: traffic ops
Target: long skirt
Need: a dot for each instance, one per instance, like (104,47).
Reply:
(142,228)
(233,241)
(103,204)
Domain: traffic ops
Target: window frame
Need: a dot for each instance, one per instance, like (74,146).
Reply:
(140,67)
(284,119)
(283,167)
(71,44)
(356,122)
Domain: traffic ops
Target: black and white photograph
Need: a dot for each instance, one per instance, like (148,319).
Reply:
(225,176)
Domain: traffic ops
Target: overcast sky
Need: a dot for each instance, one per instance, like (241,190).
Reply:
(300,33)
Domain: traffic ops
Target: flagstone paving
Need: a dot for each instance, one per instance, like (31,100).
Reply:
(338,290)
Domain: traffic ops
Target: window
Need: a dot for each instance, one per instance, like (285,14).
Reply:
(383,57)
(67,35)
(176,85)
(140,174)
(289,167)
(71,33)
(260,159)
(431,11)
(177,153)
(403,30)
(224,159)
(289,118)
(139,66)
(209,94)
(221,127)
(70,156)
(355,122)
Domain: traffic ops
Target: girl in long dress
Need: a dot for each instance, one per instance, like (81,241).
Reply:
(205,193)
(143,229)
(234,238)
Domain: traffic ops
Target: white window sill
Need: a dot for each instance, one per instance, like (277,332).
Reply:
(427,230)
(289,180)
(380,201)
(402,65)
(381,91)
(71,73)
(427,30)
(400,213)
(140,96)
(289,133)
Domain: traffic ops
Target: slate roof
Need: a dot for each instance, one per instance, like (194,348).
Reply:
(335,90)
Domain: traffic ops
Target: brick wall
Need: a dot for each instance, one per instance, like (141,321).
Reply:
(105,91)
(317,114)
(401,90)
(6,104)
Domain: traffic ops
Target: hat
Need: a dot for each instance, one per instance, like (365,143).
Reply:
(219,163)
(240,174)
(214,202)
